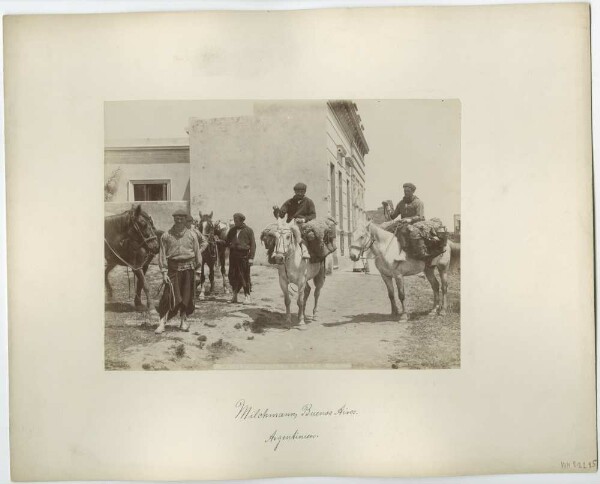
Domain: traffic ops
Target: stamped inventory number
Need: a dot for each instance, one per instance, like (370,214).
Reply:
(579,464)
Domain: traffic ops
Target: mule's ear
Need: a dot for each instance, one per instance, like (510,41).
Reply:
(138,210)
(200,213)
(211,214)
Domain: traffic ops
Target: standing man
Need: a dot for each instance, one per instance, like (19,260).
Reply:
(409,210)
(299,207)
(242,247)
(178,258)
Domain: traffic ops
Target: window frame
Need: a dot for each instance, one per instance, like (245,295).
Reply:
(161,181)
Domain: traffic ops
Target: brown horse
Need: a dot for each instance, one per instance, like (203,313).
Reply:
(131,240)
(215,253)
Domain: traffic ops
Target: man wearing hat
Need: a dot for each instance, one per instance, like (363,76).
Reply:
(299,207)
(410,210)
(178,258)
(242,247)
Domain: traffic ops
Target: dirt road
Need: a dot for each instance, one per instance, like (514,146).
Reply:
(354,328)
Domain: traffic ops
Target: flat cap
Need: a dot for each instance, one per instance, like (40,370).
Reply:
(409,185)
(300,186)
(180,213)
(239,215)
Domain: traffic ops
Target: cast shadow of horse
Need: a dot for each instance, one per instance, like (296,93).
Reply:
(119,307)
(378,318)
(263,319)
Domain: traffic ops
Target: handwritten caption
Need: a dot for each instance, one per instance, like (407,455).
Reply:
(244,412)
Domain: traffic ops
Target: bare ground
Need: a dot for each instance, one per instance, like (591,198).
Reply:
(354,328)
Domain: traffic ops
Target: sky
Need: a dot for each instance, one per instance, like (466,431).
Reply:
(414,141)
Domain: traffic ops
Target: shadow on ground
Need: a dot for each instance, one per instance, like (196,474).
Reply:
(120,307)
(262,319)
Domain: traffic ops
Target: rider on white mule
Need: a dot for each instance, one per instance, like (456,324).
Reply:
(299,207)
(409,210)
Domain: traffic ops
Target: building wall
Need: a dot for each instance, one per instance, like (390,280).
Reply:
(138,164)
(348,163)
(248,164)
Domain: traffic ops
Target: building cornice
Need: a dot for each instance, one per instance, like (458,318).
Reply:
(346,113)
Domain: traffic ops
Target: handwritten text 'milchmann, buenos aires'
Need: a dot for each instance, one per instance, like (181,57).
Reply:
(246,411)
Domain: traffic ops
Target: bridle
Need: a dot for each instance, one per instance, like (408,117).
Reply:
(137,228)
(209,233)
(282,246)
(364,247)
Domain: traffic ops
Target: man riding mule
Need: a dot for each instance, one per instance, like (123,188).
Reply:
(178,259)
(283,244)
(417,237)
(318,237)
(379,242)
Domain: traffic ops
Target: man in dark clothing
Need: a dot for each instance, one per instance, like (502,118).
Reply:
(409,210)
(242,247)
(299,208)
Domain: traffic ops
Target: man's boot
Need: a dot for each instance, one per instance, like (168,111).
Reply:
(401,246)
(185,325)
(401,256)
(305,254)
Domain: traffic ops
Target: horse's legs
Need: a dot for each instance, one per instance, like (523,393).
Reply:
(211,276)
(139,285)
(141,280)
(389,282)
(319,281)
(301,288)
(435,285)
(400,284)
(286,298)
(110,265)
(444,277)
(223,272)
(202,279)
(307,290)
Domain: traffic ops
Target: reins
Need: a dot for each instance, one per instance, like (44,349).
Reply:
(123,260)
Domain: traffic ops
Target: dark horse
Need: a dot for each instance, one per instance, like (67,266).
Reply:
(130,239)
(215,253)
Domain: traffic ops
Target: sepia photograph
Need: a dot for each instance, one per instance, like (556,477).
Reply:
(246,234)
(284,288)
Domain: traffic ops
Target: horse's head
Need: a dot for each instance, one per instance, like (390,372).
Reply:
(206,225)
(362,242)
(287,236)
(141,229)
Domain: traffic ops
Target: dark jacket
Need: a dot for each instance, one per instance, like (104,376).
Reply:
(244,241)
(293,208)
(413,209)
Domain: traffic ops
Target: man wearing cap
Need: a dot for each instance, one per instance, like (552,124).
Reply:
(178,258)
(409,210)
(299,208)
(242,247)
